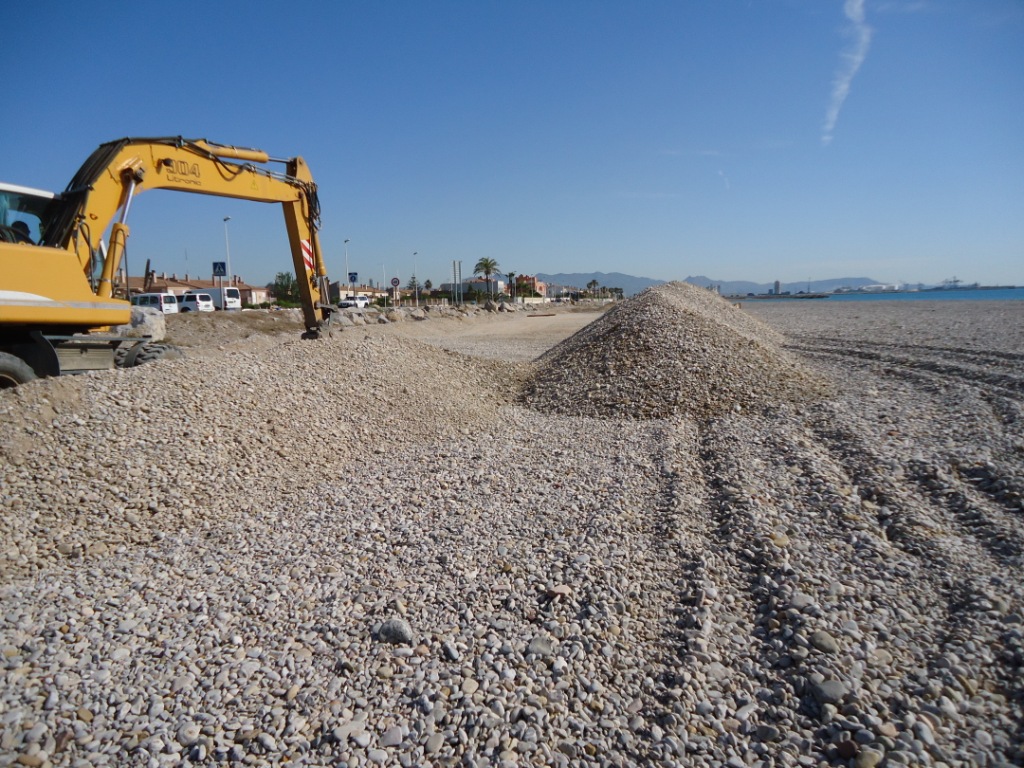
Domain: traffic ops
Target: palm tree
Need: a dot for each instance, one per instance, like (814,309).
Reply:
(592,287)
(486,267)
(512,285)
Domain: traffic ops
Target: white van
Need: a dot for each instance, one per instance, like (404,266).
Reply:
(196,302)
(164,302)
(361,301)
(227,297)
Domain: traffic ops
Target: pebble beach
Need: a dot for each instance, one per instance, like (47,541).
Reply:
(673,532)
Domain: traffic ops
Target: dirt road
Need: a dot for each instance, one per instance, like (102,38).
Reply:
(518,337)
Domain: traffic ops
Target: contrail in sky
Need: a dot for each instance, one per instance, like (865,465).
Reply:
(851,61)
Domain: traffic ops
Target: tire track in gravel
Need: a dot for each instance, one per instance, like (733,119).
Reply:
(916,516)
(813,565)
(931,498)
(966,472)
(929,438)
(979,516)
(580,558)
(1010,383)
(1009,411)
(883,578)
(752,573)
(983,356)
(806,586)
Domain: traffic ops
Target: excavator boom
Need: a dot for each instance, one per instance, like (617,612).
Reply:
(65,284)
(106,184)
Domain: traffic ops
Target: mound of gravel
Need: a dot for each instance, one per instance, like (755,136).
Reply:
(673,349)
(117,455)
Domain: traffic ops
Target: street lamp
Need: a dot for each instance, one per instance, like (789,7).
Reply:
(227,253)
(415,282)
(347,273)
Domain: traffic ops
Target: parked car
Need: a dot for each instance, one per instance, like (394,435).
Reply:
(196,302)
(359,301)
(227,297)
(162,302)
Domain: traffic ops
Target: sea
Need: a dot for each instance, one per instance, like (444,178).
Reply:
(967,294)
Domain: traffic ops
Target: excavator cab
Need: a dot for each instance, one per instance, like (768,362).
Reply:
(24,213)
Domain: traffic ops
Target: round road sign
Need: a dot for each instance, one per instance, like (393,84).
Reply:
(395,282)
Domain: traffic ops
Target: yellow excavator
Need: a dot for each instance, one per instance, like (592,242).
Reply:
(60,255)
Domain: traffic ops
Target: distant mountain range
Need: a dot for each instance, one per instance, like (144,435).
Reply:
(631,285)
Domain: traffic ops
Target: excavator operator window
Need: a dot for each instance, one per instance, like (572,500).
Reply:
(19,231)
(22,213)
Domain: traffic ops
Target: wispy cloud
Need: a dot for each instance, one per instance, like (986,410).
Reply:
(852,58)
(901,6)
(725,179)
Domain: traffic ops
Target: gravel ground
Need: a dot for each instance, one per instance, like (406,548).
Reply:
(408,544)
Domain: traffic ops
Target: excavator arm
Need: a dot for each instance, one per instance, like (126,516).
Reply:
(101,193)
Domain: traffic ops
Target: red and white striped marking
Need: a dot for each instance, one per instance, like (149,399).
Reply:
(307,254)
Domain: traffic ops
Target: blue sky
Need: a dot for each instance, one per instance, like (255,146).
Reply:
(754,139)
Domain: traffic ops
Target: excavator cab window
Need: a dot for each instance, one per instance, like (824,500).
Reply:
(23,213)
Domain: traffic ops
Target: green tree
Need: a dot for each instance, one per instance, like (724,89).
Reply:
(285,288)
(412,285)
(592,287)
(525,288)
(486,267)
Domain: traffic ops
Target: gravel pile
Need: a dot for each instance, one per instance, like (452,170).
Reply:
(366,551)
(114,456)
(674,349)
